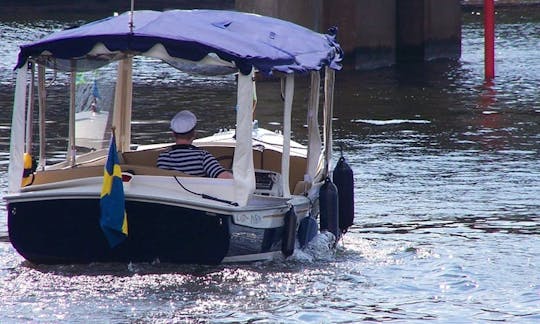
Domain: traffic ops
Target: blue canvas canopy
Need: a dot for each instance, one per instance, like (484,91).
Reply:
(227,40)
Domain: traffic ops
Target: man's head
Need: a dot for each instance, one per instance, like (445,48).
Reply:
(183,125)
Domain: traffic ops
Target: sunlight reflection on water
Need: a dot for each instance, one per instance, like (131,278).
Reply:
(446,188)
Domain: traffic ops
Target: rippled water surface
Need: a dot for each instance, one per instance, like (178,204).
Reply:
(447,189)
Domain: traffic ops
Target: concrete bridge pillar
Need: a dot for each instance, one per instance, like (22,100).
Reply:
(367,31)
(427,30)
(376,33)
(307,13)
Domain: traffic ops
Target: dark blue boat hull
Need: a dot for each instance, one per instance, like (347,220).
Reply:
(68,231)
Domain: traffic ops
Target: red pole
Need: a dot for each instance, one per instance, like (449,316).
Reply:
(489,39)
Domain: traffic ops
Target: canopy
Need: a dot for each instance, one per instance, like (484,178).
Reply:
(226,41)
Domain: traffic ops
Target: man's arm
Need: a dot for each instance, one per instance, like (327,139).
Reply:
(213,168)
(225,175)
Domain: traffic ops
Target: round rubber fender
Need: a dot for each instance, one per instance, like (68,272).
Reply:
(289,233)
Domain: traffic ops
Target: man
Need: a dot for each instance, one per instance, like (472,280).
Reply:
(184,156)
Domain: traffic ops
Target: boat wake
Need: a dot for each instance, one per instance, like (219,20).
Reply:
(391,121)
(320,248)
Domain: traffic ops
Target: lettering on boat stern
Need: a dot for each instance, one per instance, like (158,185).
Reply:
(259,220)
(248,219)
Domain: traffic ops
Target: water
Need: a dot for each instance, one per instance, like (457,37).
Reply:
(447,185)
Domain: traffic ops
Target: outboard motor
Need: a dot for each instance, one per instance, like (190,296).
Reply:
(329,207)
(343,178)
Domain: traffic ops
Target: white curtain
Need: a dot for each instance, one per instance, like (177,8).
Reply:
(328,114)
(314,135)
(287,112)
(16,151)
(243,169)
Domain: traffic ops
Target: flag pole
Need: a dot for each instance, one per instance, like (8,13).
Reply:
(113,133)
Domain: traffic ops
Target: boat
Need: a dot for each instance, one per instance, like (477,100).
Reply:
(282,193)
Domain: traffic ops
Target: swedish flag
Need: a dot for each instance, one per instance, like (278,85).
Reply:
(113,213)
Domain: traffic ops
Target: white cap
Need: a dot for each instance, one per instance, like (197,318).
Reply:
(183,122)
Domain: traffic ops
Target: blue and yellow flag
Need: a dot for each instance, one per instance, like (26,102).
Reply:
(113,212)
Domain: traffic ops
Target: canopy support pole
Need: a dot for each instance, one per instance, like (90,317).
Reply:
(30,110)
(314,136)
(122,104)
(72,151)
(42,104)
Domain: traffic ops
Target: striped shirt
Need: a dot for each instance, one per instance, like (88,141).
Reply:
(191,160)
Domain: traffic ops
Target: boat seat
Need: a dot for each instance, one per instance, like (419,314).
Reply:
(151,170)
(271,161)
(49,176)
(301,187)
(146,157)
(224,155)
(262,159)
